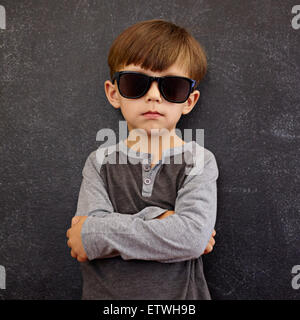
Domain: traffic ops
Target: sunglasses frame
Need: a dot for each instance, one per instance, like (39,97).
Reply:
(150,80)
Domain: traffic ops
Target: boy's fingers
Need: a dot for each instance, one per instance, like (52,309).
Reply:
(212,241)
(73,254)
(208,249)
(210,244)
(81,259)
(75,220)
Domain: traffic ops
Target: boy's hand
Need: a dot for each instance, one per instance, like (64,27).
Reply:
(75,242)
(211,241)
(210,244)
(165,214)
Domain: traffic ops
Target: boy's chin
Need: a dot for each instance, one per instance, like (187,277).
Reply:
(149,131)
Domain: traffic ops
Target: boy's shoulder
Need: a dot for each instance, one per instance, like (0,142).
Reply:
(97,157)
(203,162)
(202,152)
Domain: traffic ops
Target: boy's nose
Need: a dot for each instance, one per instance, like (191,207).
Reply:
(153,92)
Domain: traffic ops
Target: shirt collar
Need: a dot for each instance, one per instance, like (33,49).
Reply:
(122,146)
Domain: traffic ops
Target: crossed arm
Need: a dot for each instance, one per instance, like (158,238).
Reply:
(75,240)
(102,233)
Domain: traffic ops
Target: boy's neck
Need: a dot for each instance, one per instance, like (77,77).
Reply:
(154,144)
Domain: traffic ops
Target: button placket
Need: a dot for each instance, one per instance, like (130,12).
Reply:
(147,174)
(148,178)
(147,181)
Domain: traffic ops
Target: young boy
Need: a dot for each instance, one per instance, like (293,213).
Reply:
(142,225)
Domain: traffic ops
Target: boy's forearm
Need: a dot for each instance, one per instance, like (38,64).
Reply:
(148,213)
(182,236)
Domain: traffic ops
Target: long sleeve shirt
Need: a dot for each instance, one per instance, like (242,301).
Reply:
(131,254)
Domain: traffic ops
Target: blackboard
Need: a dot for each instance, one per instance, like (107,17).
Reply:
(52,104)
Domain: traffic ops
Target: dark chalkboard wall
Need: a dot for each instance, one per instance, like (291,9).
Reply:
(52,104)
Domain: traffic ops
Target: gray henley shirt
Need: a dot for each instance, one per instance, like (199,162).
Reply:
(131,254)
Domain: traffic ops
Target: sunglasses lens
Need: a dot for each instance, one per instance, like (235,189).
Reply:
(176,89)
(132,85)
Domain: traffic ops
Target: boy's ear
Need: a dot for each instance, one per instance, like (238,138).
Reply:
(191,102)
(112,94)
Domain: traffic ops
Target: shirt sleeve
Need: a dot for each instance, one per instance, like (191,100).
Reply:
(181,236)
(94,201)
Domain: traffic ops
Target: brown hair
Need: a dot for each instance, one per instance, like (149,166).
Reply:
(156,45)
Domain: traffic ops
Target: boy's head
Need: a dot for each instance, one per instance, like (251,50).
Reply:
(155,48)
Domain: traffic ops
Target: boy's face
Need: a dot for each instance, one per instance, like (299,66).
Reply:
(133,109)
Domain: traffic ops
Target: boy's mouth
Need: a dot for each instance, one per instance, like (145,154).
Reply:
(152,112)
(152,115)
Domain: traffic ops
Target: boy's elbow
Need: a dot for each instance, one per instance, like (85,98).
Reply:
(199,246)
(197,252)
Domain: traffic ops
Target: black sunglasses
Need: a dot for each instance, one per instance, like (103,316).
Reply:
(133,85)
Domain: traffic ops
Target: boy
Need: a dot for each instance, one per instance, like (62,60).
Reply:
(141,228)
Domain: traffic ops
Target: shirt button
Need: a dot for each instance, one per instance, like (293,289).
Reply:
(147,181)
(146,167)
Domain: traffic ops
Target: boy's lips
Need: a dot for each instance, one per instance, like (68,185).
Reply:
(152,115)
(153,112)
